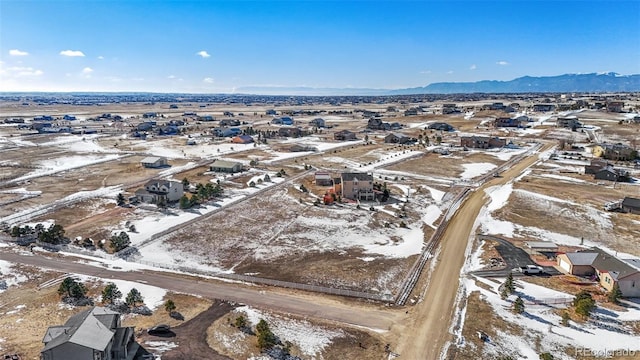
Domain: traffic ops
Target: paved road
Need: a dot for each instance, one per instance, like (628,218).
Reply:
(344,311)
(427,332)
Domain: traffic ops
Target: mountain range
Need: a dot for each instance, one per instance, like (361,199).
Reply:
(594,82)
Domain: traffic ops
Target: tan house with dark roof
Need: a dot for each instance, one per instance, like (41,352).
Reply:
(357,186)
(609,270)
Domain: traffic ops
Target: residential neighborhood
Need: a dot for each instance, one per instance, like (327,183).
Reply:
(358,200)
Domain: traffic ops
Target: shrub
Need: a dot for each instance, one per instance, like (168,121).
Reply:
(518,305)
(584,303)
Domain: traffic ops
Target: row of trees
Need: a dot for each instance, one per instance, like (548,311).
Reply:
(203,193)
(266,338)
(111,296)
(74,289)
(54,234)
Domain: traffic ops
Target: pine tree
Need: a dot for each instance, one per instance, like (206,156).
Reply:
(240,322)
(110,293)
(509,285)
(170,306)
(120,199)
(184,202)
(518,305)
(615,294)
(266,338)
(546,356)
(72,288)
(504,293)
(120,241)
(565,318)
(584,303)
(134,298)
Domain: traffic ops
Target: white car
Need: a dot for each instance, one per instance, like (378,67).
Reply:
(530,269)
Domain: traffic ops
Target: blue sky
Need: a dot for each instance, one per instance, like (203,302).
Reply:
(219,46)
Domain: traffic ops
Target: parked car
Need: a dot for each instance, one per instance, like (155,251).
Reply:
(159,329)
(530,269)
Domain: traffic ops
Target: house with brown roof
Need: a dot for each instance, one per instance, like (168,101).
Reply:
(615,106)
(507,122)
(618,152)
(290,132)
(607,268)
(344,135)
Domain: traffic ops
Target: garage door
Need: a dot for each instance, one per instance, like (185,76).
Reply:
(565,265)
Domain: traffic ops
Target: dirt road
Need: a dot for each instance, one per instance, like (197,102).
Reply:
(192,336)
(305,304)
(427,331)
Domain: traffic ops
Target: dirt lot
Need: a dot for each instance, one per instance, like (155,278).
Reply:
(341,342)
(277,237)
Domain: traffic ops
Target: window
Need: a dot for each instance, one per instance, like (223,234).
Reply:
(97,355)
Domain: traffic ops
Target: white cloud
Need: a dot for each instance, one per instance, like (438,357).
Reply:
(473,67)
(450,72)
(204,54)
(208,80)
(87,70)
(171,77)
(502,63)
(425,72)
(16,52)
(72,53)
(20,71)
(100,57)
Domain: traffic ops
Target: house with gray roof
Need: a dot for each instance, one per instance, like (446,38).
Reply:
(95,333)
(154,162)
(607,268)
(157,191)
(398,138)
(357,186)
(631,205)
(226,166)
(577,263)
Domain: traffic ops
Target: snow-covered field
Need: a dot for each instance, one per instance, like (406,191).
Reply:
(473,170)
(541,324)
(8,276)
(63,163)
